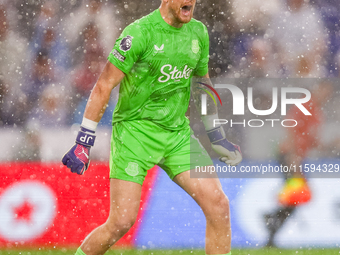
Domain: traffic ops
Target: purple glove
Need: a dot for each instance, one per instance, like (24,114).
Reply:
(78,157)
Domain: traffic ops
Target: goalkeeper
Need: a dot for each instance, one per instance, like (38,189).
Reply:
(154,60)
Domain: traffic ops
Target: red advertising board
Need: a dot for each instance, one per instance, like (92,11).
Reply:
(45,204)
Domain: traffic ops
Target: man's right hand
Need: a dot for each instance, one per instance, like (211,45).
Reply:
(78,157)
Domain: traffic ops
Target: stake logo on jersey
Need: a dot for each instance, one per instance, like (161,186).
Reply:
(195,46)
(126,43)
(174,73)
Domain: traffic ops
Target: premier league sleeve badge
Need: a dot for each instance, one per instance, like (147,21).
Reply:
(126,43)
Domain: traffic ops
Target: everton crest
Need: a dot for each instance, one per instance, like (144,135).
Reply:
(195,46)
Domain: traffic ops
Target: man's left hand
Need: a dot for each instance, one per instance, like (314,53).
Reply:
(230,153)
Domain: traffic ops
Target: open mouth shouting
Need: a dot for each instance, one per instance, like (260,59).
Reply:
(186,10)
(177,12)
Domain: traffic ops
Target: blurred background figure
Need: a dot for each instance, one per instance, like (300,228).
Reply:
(293,150)
(48,15)
(294,30)
(299,37)
(295,39)
(51,111)
(253,16)
(263,60)
(216,15)
(13,49)
(39,76)
(29,147)
(12,104)
(47,35)
(330,12)
(86,74)
(102,32)
(251,19)
(298,33)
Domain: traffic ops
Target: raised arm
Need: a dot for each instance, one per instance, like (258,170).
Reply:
(78,157)
(100,95)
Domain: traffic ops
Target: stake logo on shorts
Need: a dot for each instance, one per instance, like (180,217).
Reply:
(126,43)
(132,169)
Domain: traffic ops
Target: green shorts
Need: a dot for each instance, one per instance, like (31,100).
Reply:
(139,145)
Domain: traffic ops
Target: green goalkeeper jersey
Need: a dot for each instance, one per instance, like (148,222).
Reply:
(158,61)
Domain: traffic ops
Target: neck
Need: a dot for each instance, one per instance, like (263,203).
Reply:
(168,17)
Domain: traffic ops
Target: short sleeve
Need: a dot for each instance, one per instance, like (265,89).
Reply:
(128,48)
(202,65)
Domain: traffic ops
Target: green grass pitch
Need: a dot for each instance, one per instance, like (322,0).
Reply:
(261,251)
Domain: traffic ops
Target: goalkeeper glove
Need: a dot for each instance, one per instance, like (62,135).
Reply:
(230,153)
(78,157)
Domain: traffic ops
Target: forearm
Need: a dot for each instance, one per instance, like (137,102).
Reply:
(202,86)
(229,152)
(199,89)
(77,158)
(97,103)
(100,95)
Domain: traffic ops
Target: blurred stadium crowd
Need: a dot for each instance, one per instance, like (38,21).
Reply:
(51,52)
